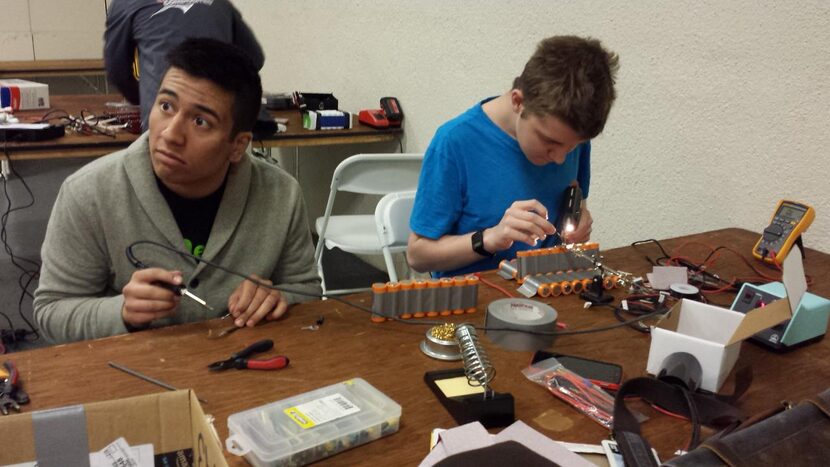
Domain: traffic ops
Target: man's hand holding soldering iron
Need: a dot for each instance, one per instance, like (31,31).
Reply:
(155,293)
(527,221)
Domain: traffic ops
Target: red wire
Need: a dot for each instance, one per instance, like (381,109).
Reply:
(715,255)
(665,412)
(494,286)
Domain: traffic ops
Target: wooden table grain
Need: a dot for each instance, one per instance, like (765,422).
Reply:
(387,356)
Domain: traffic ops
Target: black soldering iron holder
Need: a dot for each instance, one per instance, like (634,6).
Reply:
(495,410)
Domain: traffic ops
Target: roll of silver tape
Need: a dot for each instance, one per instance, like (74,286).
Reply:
(516,315)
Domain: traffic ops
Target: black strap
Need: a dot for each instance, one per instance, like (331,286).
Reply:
(700,409)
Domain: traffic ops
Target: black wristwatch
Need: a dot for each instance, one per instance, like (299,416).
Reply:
(478,243)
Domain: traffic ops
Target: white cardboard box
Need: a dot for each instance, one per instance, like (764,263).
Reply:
(20,94)
(713,334)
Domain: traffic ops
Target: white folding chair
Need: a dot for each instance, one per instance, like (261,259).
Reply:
(392,222)
(371,174)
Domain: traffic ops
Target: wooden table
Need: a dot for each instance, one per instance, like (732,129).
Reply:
(73,145)
(36,68)
(387,356)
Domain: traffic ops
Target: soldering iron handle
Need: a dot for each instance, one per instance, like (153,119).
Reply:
(176,289)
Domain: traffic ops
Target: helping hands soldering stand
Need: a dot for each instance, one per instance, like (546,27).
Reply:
(595,293)
(490,408)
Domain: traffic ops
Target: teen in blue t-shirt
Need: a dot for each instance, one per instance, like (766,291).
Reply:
(493,178)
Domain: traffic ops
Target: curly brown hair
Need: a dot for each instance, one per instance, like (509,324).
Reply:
(571,78)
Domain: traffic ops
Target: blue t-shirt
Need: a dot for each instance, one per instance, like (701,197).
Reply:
(473,171)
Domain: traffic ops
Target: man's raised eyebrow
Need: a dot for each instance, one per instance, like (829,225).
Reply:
(169,92)
(203,108)
(208,111)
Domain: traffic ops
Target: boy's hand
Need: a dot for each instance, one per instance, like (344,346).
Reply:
(582,233)
(250,303)
(524,221)
(145,301)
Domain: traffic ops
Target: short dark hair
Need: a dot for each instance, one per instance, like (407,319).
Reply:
(230,68)
(571,78)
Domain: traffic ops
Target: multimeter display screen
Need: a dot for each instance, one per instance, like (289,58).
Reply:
(791,212)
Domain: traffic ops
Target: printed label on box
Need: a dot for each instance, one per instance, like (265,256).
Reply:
(320,411)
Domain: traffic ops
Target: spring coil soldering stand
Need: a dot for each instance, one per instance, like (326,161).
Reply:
(490,408)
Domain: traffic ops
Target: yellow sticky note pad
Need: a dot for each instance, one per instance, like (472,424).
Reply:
(458,386)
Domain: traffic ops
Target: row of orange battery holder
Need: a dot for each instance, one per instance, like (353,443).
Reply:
(543,260)
(424,298)
(555,289)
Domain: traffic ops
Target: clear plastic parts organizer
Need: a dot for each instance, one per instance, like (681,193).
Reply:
(317,424)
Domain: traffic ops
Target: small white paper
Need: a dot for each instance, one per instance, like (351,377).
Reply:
(120,454)
(664,276)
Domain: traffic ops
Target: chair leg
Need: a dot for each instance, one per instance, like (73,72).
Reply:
(390,265)
(321,274)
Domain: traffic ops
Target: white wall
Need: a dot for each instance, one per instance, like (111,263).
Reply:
(723,106)
(51,29)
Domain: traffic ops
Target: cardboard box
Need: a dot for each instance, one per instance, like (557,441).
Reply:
(20,94)
(713,335)
(173,422)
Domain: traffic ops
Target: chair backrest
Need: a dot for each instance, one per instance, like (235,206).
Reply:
(392,218)
(377,174)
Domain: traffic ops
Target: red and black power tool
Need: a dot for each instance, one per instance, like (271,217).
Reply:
(388,115)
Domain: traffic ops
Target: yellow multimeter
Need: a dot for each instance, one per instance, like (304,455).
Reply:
(789,221)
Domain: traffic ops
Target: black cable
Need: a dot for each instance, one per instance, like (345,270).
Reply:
(48,115)
(25,289)
(139,264)
(80,125)
(8,320)
(637,309)
(701,282)
(694,418)
(28,275)
(651,240)
(5,218)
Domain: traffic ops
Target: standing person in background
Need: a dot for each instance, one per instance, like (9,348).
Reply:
(493,178)
(140,33)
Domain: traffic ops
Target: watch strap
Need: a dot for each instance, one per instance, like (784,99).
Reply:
(478,243)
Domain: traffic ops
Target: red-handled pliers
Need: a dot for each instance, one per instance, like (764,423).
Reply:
(241,361)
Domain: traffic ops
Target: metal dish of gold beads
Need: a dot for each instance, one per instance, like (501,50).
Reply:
(440,343)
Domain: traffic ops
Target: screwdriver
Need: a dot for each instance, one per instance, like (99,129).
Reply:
(181,290)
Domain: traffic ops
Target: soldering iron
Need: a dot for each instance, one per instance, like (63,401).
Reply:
(570,210)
